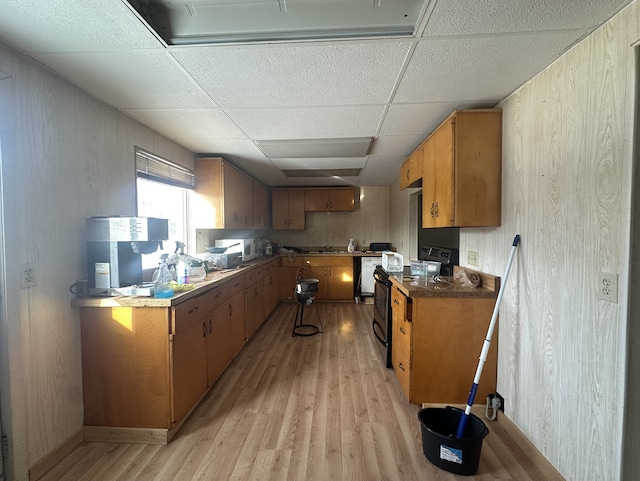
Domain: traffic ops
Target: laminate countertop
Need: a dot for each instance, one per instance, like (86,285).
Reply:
(213,280)
(424,287)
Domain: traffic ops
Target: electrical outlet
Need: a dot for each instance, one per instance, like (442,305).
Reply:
(608,286)
(501,407)
(27,275)
(473,258)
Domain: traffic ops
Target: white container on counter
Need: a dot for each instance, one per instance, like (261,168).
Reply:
(392,261)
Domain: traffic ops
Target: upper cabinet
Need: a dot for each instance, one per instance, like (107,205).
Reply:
(461,171)
(287,209)
(329,200)
(261,203)
(411,169)
(225,197)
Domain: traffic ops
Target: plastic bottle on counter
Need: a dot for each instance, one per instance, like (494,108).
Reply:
(162,279)
(182,270)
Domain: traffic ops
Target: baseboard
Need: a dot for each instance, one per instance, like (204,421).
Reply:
(104,434)
(52,458)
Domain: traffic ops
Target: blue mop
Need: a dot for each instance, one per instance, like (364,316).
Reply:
(487,342)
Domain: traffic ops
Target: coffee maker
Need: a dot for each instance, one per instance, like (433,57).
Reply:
(115,246)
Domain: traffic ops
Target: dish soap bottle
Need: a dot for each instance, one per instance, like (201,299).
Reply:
(351,246)
(162,279)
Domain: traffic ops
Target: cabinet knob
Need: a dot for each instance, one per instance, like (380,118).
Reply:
(401,367)
(402,330)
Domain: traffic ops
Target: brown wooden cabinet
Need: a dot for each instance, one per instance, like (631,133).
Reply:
(436,343)
(287,209)
(288,275)
(224,196)
(254,300)
(411,170)
(462,171)
(147,367)
(329,200)
(335,276)
(271,286)
(261,206)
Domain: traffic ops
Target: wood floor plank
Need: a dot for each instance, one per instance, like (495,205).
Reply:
(314,408)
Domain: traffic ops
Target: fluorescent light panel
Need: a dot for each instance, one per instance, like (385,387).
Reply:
(322,173)
(315,148)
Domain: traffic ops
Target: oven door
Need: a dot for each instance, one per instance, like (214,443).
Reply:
(381,325)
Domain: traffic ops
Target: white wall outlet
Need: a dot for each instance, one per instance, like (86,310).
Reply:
(27,275)
(473,258)
(608,286)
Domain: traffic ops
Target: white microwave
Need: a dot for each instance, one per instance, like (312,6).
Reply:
(247,247)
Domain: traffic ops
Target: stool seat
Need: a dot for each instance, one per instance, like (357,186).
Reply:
(304,293)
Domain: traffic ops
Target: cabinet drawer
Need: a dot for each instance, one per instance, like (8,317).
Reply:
(188,312)
(328,261)
(402,368)
(254,275)
(400,304)
(402,334)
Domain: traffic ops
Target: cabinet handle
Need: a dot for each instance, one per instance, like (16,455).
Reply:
(210,326)
(395,301)
(204,329)
(230,310)
(402,330)
(401,367)
(193,310)
(433,214)
(437,212)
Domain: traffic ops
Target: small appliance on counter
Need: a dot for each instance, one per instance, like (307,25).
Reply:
(246,247)
(115,246)
(392,261)
(226,260)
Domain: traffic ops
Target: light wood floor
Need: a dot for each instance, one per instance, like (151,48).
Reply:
(304,408)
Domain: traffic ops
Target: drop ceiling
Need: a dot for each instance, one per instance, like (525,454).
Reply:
(231,94)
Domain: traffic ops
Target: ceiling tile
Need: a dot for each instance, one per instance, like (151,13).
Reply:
(396,144)
(485,68)
(296,74)
(71,26)
(225,147)
(152,78)
(189,123)
(453,17)
(308,123)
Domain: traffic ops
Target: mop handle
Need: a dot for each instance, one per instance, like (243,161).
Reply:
(487,342)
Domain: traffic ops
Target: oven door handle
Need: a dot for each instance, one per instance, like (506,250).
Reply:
(381,280)
(375,333)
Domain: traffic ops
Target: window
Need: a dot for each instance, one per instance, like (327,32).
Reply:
(164,190)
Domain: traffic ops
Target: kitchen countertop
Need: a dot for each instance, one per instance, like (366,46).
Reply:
(422,288)
(213,279)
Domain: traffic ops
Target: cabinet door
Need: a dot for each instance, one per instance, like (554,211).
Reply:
(341,200)
(411,169)
(189,363)
(208,208)
(238,199)
(444,181)
(340,283)
(217,356)
(429,183)
(296,209)
(280,209)
(260,206)
(254,307)
(316,200)
(236,326)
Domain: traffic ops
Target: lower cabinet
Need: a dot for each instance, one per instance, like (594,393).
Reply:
(436,343)
(271,287)
(335,276)
(254,300)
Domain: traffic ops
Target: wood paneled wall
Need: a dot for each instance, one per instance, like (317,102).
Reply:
(567,167)
(65,157)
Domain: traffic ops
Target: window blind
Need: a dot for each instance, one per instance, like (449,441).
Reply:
(153,167)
